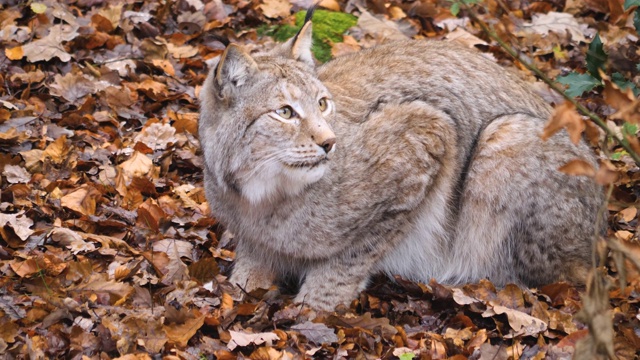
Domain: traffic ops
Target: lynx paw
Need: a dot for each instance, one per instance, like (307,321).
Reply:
(251,279)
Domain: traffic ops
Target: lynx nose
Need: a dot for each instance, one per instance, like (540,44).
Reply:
(327,144)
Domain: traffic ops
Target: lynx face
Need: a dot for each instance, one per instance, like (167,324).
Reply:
(278,114)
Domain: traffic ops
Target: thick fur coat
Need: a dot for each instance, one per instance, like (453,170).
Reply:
(419,158)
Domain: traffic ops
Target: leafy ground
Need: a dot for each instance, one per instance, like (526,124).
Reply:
(105,242)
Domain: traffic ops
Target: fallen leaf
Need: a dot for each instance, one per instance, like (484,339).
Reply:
(137,165)
(157,136)
(275,8)
(51,45)
(626,104)
(522,323)
(71,239)
(14,53)
(607,173)
(244,339)
(72,87)
(565,116)
(556,22)
(316,333)
(25,268)
(381,29)
(16,174)
(628,214)
(57,151)
(98,284)
(180,334)
(20,224)
(82,200)
(579,168)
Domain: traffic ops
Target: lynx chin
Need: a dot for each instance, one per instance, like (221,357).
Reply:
(419,158)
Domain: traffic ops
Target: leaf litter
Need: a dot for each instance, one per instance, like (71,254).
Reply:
(106,249)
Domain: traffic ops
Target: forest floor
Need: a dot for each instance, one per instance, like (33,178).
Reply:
(105,238)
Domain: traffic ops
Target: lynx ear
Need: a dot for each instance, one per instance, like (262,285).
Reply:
(301,45)
(235,67)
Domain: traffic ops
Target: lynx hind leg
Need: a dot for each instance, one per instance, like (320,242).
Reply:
(521,220)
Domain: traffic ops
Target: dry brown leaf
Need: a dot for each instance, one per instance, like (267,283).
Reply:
(157,136)
(71,239)
(20,224)
(275,8)
(556,22)
(565,116)
(8,329)
(137,165)
(82,200)
(16,174)
(626,104)
(180,334)
(628,214)
(245,339)
(29,77)
(32,159)
(57,151)
(73,87)
(15,53)
(51,45)
(347,46)
(164,65)
(597,314)
(98,284)
(381,29)
(522,323)
(330,5)
(578,167)
(150,215)
(25,268)
(607,173)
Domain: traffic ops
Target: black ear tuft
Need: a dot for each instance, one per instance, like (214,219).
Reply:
(302,41)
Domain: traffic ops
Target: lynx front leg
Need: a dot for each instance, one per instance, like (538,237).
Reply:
(251,271)
(336,281)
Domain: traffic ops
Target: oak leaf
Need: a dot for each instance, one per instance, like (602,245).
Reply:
(72,87)
(51,46)
(157,136)
(556,22)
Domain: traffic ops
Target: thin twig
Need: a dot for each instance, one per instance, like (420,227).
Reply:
(513,53)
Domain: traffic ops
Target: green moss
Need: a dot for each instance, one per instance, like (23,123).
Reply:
(328,28)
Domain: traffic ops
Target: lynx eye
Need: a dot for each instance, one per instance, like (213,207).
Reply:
(286,112)
(323,104)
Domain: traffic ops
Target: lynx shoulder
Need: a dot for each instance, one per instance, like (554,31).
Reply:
(421,159)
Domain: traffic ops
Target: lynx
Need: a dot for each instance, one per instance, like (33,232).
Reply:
(419,158)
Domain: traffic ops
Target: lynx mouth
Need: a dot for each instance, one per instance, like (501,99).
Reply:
(309,164)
